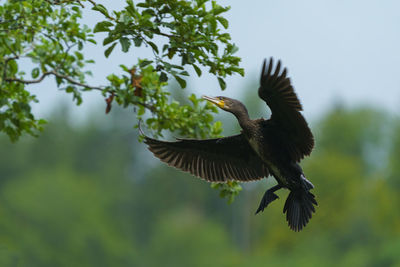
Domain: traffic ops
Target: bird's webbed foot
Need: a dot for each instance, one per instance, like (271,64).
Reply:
(268,197)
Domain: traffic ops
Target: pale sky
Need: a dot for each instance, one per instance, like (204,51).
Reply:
(338,50)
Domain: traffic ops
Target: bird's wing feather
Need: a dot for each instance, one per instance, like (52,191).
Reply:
(276,90)
(215,160)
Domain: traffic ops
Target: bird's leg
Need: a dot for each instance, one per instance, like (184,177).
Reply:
(268,197)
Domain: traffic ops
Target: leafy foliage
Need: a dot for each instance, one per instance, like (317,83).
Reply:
(50,37)
(191,32)
(229,190)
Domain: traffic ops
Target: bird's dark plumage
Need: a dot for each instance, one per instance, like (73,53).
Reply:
(203,158)
(277,91)
(264,147)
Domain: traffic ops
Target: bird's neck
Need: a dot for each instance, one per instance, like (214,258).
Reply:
(244,120)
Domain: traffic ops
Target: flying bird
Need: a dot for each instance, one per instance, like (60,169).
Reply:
(273,146)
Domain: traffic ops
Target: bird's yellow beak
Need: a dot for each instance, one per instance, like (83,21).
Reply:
(214,100)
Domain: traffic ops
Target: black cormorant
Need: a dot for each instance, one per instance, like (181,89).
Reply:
(264,147)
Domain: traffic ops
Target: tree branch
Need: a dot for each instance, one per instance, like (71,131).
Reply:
(72,81)
(165,34)
(59,75)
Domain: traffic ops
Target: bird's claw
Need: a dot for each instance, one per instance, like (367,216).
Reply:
(267,198)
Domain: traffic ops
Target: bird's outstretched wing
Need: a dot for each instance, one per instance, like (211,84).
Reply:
(215,160)
(277,91)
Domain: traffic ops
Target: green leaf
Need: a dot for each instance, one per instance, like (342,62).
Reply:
(165,47)
(131,7)
(110,49)
(125,43)
(42,121)
(197,69)
(163,77)
(234,49)
(240,71)
(102,26)
(141,111)
(108,39)
(154,46)
(144,63)
(143,5)
(224,22)
(181,81)
(222,83)
(138,41)
(171,52)
(200,2)
(191,58)
(35,73)
(92,41)
(217,9)
(102,9)
(78,55)
(13,67)
(125,68)
(177,67)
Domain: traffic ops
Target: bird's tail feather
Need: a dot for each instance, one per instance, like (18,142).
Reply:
(306,183)
(299,207)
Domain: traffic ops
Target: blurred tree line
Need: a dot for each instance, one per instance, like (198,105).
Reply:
(93,196)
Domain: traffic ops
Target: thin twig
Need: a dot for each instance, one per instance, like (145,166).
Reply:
(79,2)
(149,107)
(66,53)
(92,2)
(165,34)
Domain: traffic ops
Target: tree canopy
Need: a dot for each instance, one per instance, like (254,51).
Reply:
(43,39)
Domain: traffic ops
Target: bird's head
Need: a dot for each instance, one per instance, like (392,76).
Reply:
(227,104)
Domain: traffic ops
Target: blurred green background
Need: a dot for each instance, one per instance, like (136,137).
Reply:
(89,194)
